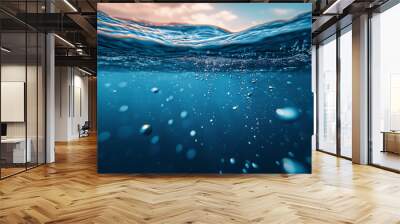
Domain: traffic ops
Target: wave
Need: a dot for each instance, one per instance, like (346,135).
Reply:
(141,45)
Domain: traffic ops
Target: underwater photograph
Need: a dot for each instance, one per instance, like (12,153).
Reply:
(204,88)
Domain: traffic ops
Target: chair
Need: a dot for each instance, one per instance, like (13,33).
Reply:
(84,130)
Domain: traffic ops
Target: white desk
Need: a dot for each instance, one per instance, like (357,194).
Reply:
(20,155)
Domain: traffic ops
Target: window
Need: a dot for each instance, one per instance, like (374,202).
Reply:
(346,92)
(327,96)
(385,89)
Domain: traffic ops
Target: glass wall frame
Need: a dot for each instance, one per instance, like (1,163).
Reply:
(339,77)
(326,95)
(22,63)
(384,88)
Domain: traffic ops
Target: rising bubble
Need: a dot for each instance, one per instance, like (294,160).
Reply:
(287,113)
(191,153)
(146,129)
(291,166)
(122,84)
(184,114)
(170,98)
(123,108)
(155,139)
(154,90)
(104,136)
(179,148)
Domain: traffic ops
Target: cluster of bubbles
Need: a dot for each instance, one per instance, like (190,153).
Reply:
(286,114)
(248,165)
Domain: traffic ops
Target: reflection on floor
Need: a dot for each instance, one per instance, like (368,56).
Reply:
(8,170)
(387,159)
(71,191)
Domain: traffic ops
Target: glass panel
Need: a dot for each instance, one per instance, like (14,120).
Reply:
(385,84)
(327,96)
(22,88)
(41,99)
(31,100)
(13,89)
(346,94)
(314,89)
(32,86)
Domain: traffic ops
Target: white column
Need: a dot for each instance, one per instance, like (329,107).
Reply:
(360,90)
(50,99)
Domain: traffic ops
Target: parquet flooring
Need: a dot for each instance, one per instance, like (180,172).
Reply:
(70,191)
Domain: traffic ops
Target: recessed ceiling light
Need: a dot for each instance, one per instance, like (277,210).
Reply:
(5,50)
(70,5)
(64,40)
(84,71)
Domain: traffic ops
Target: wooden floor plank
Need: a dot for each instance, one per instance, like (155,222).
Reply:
(71,191)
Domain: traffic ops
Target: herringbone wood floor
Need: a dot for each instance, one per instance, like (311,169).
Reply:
(70,191)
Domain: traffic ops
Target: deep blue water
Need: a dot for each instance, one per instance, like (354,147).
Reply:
(199,99)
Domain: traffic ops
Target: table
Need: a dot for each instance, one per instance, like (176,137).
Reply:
(391,141)
(16,147)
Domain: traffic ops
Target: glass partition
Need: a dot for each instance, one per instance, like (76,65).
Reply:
(41,97)
(346,92)
(327,95)
(385,89)
(14,153)
(22,77)
(32,95)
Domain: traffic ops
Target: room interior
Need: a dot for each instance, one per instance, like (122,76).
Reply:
(49,129)
(22,102)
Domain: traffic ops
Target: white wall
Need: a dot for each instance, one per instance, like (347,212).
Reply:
(33,127)
(17,73)
(70,94)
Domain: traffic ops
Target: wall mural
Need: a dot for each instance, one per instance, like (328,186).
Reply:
(204,88)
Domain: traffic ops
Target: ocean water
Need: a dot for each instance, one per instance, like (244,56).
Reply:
(180,98)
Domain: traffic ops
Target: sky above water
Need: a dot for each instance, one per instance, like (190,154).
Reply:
(230,16)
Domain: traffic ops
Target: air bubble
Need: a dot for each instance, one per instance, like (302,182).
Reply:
(154,90)
(184,114)
(123,108)
(179,148)
(122,84)
(155,139)
(288,113)
(170,98)
(146,129)
(104,136)
(291,166)
(190,154)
